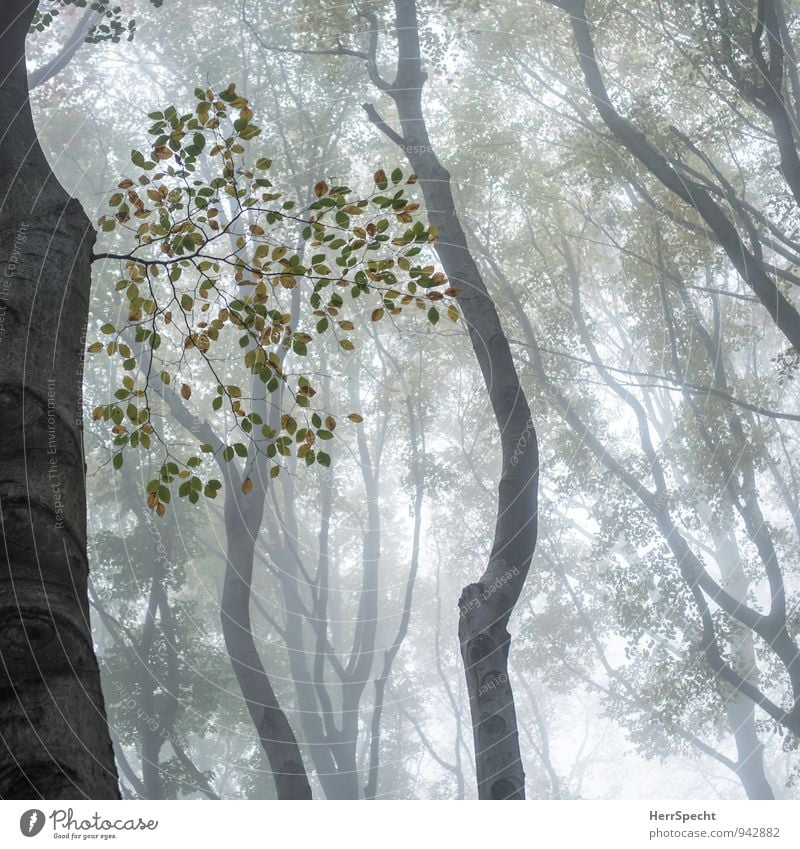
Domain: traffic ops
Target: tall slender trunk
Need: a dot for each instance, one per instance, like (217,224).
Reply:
(485,605)
(740,711)
(55,738)
(242,522)
(417,446)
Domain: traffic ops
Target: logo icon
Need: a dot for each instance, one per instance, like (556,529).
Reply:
(31,822)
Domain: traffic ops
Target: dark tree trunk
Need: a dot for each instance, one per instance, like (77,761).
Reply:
(53,729)
(748,264)
(486,605)
(242,521)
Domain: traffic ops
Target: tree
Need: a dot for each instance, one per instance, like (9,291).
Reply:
(54,732)
(486,604)
(208,262)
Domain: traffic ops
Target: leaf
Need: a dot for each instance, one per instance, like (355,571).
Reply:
(355,417)
(321,189)
(377,314)
(186,391)
(95,347)
(433,315)
(247,485)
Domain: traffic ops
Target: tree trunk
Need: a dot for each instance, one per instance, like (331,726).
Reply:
(55,739)
(242,522)
(486,605)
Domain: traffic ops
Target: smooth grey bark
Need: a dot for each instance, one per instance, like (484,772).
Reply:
(740,712)
(770,66)
(243,515)
(242,522)
(54,736)
(750,266)
(543,749)
(336,745)
(332,747)
(698,580)
(331,757)
(486,605)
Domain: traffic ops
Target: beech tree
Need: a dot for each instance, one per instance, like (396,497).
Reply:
(55,436)
(486,605)
(274,582)
(55,736)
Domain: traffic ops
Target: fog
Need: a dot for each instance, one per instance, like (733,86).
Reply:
(538,360)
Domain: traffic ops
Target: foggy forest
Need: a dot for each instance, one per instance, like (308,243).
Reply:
(399,399)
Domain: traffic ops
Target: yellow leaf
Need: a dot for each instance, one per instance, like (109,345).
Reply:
(355,417)
(247,485)
(186,391)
